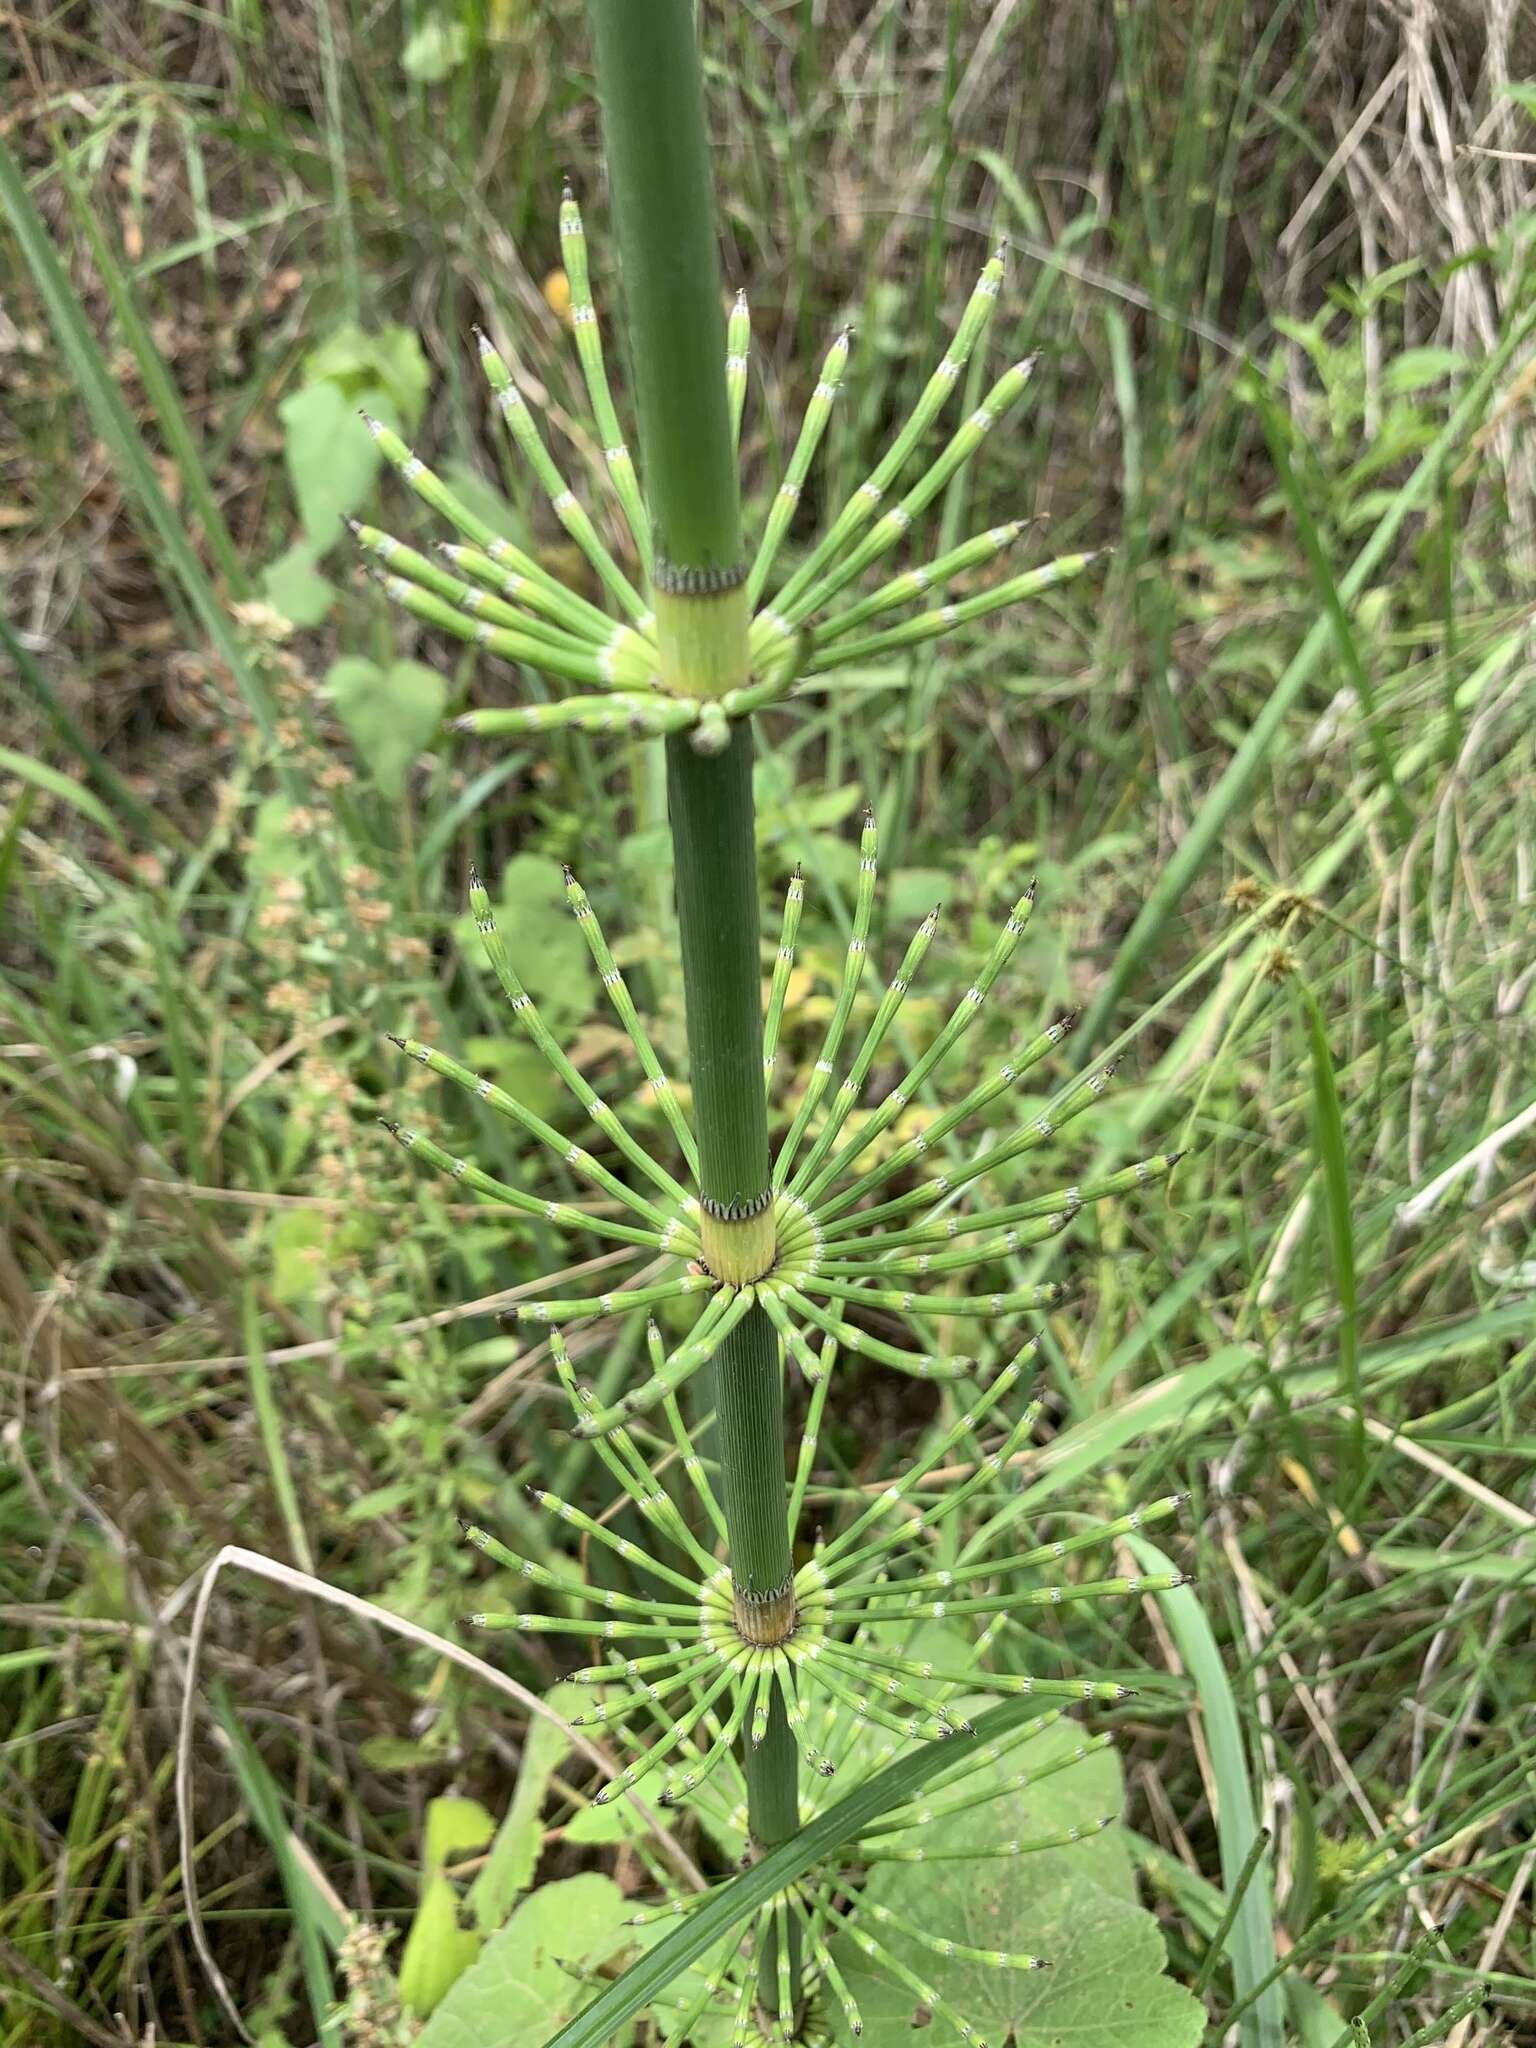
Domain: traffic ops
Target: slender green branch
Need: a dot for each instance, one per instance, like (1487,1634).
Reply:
(651,90)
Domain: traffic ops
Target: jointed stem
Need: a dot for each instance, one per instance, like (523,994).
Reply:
(651,90)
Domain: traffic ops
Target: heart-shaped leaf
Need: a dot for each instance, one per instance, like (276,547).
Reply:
(536,1972)
(1104,1986)
(390,713)
(294,586)
(331,458)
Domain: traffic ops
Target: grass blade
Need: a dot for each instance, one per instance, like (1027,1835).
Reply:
(112,420)
(68,791)
(1333,1156)
(1277,434)
(1253,1931)
(317,1924)
(157,829)
(1237,779)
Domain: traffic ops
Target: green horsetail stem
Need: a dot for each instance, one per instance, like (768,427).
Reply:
(787,497)
(574,1156)
(853,971)
(783,962)
(531,1023)
(573,667)
(959,1022)
(975,553)
(614,712)
(589,347)
(618,994)
(865,501)
(1058,1202)
(843,1103)
(400,560)
(491,570)
(893,526)
(528,1205)
(931,625)
(926,1993)
(432,491)
(567,507)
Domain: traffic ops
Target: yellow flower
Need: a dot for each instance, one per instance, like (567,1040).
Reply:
(557,296)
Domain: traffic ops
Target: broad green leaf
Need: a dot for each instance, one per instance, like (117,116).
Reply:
(294,586)
(390,714)
(276,850)
(438,1950)
(331,458)
(515,1852)
(369,369)
(454,1826)
(1105,1986)
(535,1973)
(616,1822)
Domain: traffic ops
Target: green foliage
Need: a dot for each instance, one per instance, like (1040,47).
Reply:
(390,714)
(196,977)
(1104,1983)
(514,1854)
(439,1949)
(532,1974)
(331,458)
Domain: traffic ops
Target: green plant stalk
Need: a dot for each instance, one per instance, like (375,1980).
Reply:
(651,91)
(650,88)
(897,1785)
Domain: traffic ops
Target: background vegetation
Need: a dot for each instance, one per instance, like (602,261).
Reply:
(233,856)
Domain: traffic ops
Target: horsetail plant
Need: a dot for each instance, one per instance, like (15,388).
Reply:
(734,1678)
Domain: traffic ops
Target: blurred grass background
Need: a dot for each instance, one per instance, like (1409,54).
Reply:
(1277,266)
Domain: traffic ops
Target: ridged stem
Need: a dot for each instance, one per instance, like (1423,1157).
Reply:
(650,87)
(662,198)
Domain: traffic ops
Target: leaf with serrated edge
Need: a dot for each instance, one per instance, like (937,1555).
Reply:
(1105,1987)
(514,1854)
(532,1975)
